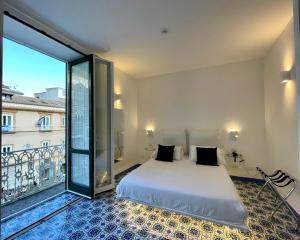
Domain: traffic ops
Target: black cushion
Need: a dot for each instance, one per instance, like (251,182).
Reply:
(165,153)
(207,156)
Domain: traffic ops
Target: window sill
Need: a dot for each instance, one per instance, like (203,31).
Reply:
(8,132)
(45,130)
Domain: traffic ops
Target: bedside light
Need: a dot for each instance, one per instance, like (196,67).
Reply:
(149,132)
(234,135)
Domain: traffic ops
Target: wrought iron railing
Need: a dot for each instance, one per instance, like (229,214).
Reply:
(26,172)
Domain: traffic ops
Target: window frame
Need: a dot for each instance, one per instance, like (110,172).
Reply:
(45,141)
(6,115)
(43,126)
(11,146)
(63,120)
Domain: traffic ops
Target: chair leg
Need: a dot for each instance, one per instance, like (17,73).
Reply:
(277,208)
(260,191)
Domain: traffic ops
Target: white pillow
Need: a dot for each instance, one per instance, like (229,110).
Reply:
(220,154)
(177,155)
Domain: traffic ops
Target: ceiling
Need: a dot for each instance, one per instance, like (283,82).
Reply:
(202,33)
(25,35)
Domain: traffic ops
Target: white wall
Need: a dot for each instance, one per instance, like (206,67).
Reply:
(126,86)
(280,106)
(224,97)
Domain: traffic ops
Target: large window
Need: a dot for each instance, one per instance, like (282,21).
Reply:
(33,104)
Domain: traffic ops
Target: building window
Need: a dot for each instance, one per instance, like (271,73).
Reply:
(44,122)
(27,146)
(7,148)
(7,122)
(63,121)
(45,143)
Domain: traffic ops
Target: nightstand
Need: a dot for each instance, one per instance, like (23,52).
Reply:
(149,150)
(239,167)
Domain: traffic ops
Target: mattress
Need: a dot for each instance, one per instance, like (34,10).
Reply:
(206,192)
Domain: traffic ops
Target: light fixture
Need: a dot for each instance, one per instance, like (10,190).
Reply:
(234,135)
(286,76)
(117,97)
(149,132)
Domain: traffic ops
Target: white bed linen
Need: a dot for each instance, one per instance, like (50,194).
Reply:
(182,186)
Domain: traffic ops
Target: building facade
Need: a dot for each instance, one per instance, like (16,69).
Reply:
(33,143)
(31,122)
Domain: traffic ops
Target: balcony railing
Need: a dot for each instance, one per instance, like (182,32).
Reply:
(7,129)
(26,172)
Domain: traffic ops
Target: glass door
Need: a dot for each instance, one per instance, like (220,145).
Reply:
(80,127)
(104,156)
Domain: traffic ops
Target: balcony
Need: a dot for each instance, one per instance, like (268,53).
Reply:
(27,172)
(45,128)
(7,129)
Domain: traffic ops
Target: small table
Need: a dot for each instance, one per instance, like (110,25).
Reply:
(239,167)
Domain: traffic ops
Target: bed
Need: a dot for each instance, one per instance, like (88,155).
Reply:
(205,192)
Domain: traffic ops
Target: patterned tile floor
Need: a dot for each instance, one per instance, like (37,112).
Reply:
(109,218)
(24,219)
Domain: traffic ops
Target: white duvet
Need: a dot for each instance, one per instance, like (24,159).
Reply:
(182,186)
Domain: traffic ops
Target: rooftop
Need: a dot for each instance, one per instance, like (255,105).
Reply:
(18,97)
(7,90)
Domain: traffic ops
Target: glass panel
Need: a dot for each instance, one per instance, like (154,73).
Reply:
(80,169)
(102,125)
(80,106)
(9,120)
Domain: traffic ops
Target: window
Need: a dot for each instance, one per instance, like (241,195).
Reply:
(45,143)
(63,121)
(27,146)
(45,122)
(7,122)
(7,148)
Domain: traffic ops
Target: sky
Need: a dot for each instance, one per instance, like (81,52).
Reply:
(30,71)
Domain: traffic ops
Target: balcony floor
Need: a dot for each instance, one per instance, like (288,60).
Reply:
(24,219)
(107,217)
(28,201)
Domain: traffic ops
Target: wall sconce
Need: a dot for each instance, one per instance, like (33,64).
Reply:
(117,97)
(234,135)
(117,102)
(149,132)
(286,76)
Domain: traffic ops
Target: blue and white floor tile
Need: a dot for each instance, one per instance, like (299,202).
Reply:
(109,218)
(24,219)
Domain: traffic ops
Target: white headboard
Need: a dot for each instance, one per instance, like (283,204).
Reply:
(203,137)
(175,137)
